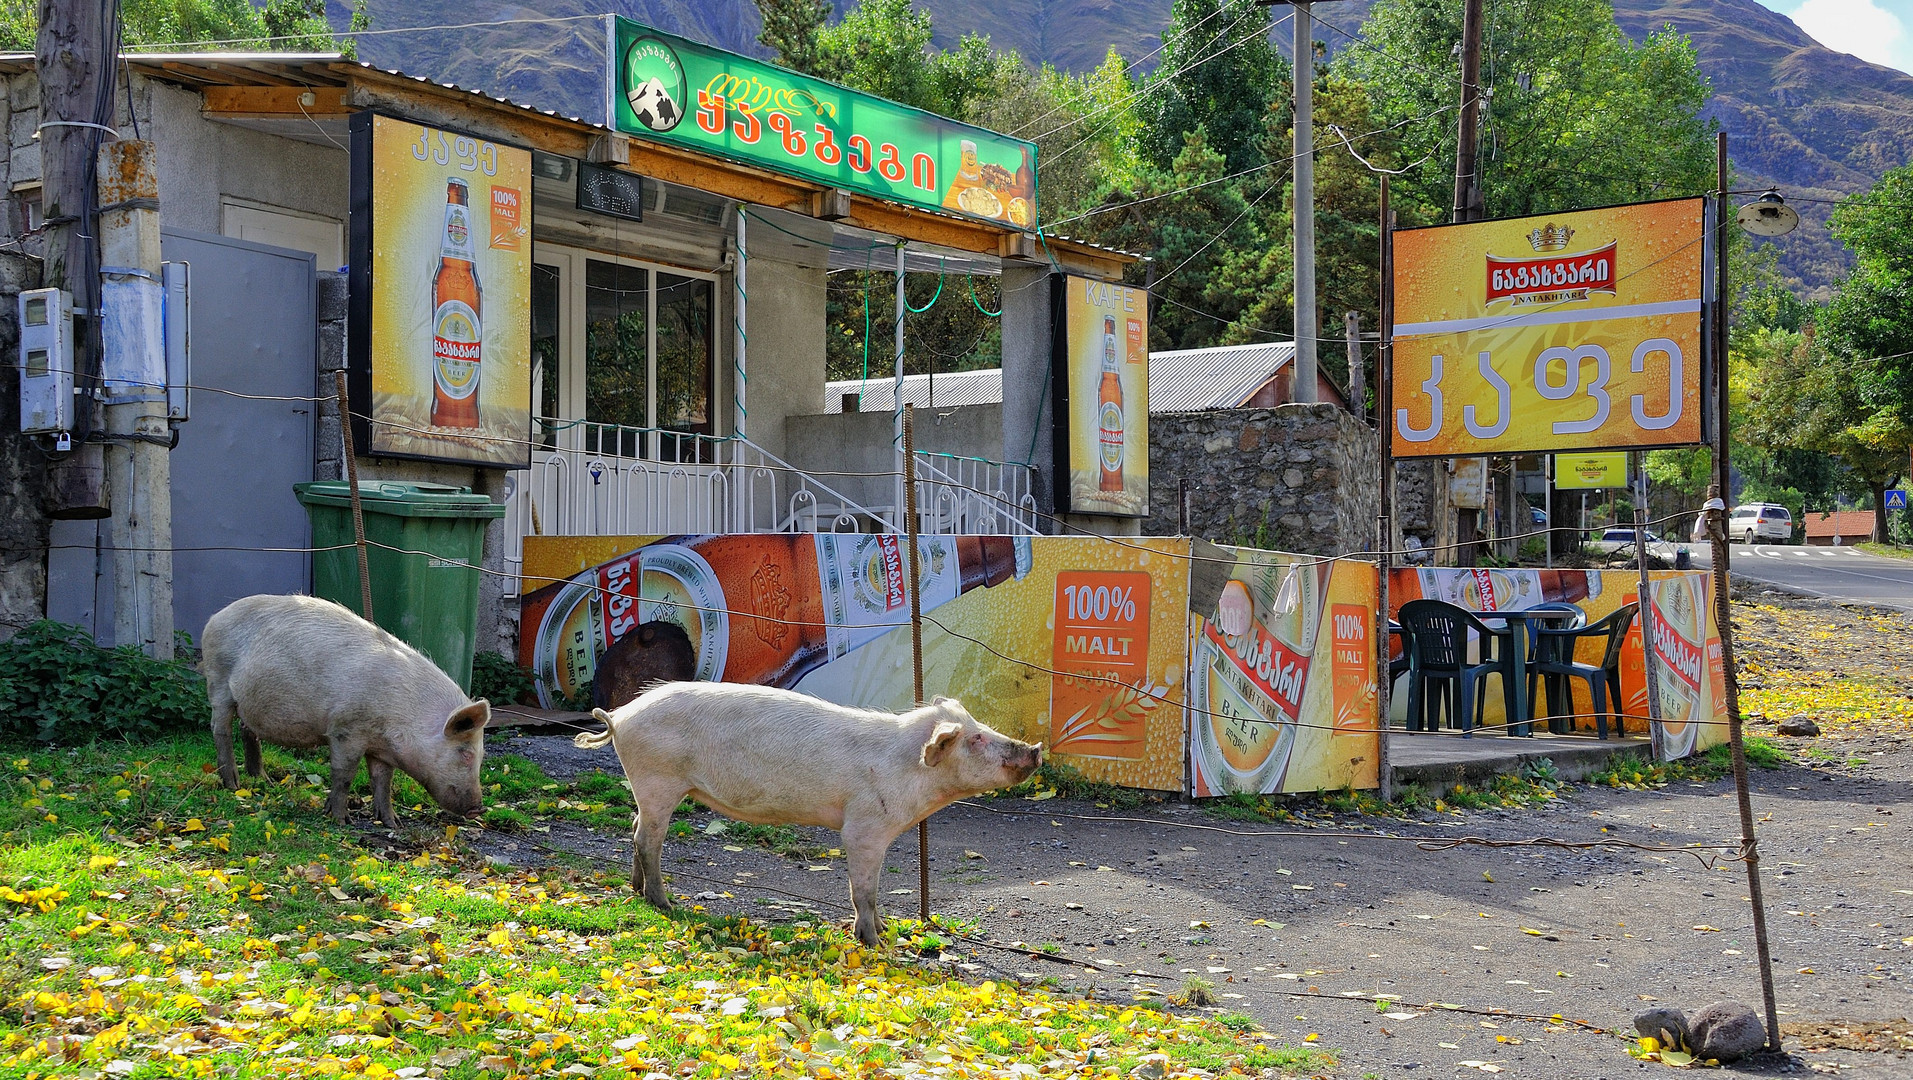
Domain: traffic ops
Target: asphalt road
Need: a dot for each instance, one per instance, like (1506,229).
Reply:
(1835,573)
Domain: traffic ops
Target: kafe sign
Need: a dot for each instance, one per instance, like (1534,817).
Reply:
(1574,331)
(677,91)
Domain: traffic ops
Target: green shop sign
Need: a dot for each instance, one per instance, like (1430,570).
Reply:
(677,91)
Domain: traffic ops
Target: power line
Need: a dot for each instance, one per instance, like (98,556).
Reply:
(154,46)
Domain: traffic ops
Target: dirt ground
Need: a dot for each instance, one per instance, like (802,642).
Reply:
(1477,948)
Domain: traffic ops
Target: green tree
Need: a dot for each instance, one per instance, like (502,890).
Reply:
(1576,115)
(1870,318)
(1198,231)
(1806,397)
(791,29)
(222,25)
(1219,72)
(882,47)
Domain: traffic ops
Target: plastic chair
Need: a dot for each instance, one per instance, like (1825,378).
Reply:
(1554,662)
(1437,636)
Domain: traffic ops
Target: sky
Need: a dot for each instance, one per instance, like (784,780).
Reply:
(1876,30)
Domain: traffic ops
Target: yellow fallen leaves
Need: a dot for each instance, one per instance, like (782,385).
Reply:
(289,950)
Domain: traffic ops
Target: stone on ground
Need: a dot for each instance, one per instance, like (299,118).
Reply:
(1727,1030)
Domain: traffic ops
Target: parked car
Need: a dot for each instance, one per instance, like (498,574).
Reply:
(1752,523)
(1537,517)
(1617,542)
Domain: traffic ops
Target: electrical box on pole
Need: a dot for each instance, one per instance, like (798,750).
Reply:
(176,315)
(46,361)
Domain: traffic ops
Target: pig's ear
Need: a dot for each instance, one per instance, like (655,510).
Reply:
(469,722)
(941,700)
(941,741)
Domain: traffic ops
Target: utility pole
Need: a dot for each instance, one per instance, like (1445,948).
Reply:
(1304,209)
(75,78)
(133,363)
(1357,378)
(1307,329)
(1468,207)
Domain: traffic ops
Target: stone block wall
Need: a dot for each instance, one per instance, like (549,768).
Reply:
(1296,477)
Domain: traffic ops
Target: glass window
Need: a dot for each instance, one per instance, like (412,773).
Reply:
(546,313)
(684,362)
(617,376)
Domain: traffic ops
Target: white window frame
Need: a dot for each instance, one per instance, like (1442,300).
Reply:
(570,262)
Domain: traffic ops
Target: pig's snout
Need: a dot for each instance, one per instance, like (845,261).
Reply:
(1024,759)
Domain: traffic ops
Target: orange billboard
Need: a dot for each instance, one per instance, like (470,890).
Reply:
(1573,331)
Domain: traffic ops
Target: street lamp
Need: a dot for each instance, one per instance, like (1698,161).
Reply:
(1768,215)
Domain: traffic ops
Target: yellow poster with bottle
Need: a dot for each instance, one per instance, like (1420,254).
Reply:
(440,283)
(1102,396)
(1080,643)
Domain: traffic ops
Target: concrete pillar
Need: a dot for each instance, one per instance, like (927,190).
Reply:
(1028,398)
(133,363)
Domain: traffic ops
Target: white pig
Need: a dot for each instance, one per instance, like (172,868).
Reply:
(303,672)
(777,757)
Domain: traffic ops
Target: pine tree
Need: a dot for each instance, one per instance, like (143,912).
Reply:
(790,31)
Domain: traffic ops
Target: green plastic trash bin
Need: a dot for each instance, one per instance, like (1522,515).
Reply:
(424,544)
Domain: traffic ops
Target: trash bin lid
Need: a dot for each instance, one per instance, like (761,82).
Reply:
(402,498)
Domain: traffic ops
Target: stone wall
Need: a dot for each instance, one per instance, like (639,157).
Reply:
(1296,477)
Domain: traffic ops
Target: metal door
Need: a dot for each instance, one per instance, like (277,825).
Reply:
(254,334)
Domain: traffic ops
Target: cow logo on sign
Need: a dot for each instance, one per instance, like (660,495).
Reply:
(654,84)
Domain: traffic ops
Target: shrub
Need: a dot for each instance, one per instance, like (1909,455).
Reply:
(58,686)
(499,681)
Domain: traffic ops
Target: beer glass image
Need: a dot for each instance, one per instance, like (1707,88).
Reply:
(763,608)
(457,325)
(1677,620)
(1246,689)
(967,166)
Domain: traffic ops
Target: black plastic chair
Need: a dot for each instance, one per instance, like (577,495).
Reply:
(1396,667)
(1437,636)
(1554,663)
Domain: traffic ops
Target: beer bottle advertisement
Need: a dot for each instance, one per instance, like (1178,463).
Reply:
(1102,401)
(1082,645)
(442,222)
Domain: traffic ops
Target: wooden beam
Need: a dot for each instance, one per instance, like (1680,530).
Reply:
(274,101)
(428,103)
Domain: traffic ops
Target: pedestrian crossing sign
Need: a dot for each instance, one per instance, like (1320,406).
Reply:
(1896,500)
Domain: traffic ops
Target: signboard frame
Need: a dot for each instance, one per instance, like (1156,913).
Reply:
(1554,233)
(1566,478)
(1077,399)
(988,173)
(362,335)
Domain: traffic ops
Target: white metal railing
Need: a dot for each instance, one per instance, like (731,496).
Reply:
(614,480)
(968,495)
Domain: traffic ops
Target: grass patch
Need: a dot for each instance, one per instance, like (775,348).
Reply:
(1054,778)
(1637,774)
(159,921)
(1886,551)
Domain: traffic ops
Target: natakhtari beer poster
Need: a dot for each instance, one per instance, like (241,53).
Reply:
(1571,331)
(441,288)
(1102,397)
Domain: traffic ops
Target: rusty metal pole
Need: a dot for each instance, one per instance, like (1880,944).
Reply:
(1384,521)
(916,638)
(1723,605)
(358,511)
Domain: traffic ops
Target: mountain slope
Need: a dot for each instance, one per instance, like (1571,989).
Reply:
(1816,123)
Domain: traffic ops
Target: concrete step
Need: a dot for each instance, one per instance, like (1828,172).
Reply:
(1437,761)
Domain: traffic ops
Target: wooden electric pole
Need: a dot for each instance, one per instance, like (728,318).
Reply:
(1468,207)
(75,75)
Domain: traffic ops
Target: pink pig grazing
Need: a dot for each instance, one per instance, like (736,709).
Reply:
(302,672)
(777,757)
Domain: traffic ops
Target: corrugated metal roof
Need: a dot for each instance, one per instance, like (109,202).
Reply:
(1188,380)
(1180,380)
(981,387)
